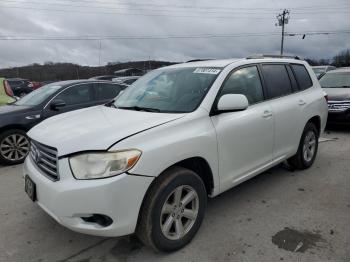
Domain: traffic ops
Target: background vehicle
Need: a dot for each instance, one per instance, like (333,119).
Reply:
(36,85)
(336,84)
(56,98)
(19,86)
(320,70)
(125,80)
(177,135)
(6,94)
(106,77)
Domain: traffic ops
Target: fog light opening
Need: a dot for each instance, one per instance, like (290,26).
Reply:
(99,219)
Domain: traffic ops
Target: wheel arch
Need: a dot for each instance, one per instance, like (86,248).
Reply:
(316,120)
(14,126)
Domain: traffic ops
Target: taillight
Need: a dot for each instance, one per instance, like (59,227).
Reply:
(8,89)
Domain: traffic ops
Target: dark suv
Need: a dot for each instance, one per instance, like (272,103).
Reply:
(56,98)
(19,86)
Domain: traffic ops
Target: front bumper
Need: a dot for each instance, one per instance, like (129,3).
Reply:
(339,117)
(68,200)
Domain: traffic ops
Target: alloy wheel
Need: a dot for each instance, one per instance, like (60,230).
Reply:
(309,146)
(179,212)
(14,147)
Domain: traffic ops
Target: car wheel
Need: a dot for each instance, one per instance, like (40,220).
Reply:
(14,146)
(173,210)
(307,150)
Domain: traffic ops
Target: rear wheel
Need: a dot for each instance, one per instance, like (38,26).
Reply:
(173,210)
(14,146)
(307,150)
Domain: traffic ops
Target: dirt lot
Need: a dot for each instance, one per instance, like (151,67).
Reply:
(278,216)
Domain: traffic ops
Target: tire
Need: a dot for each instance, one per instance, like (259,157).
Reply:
(302,160)
(152,224)
(16,141)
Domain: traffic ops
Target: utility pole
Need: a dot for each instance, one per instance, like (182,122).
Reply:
(283,19)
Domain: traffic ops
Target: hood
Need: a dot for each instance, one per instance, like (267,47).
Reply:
(13,109)
(94,128)
(337,94)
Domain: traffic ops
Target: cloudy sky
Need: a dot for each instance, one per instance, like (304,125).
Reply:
(93,32)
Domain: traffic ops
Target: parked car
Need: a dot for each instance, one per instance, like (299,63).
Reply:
(19,86)
(106,77)
(147,162)
(320,70)
(56,98)
(125,80)
(6,94)
(336,84)
(36,85)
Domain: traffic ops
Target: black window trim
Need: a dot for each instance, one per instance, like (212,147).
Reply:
(307,71)
(213,109)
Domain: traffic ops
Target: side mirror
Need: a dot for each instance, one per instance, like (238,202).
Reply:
(232,102)
(56,104)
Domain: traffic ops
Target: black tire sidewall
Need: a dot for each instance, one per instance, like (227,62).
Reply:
(5,134)
(183,178)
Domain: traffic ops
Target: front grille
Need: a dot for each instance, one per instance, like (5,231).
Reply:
(338,106)
(45,158)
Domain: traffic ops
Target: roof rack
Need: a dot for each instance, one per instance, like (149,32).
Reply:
(259,56)
(197,60)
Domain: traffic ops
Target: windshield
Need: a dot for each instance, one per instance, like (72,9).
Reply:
(172,90)
(335,80)
(38,96)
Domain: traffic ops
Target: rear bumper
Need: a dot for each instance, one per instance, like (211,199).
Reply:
(68,200)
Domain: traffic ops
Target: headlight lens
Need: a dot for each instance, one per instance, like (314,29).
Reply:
(102,165)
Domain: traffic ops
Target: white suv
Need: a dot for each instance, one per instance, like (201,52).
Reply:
(147,161)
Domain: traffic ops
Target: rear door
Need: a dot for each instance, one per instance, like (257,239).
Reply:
(245,138)
(284,99)
(75,97)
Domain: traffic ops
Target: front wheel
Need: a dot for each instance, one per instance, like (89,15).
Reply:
(307,150)
(14,146)
(173,210)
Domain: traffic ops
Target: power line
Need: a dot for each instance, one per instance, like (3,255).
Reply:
(169,9)
(135,14)
(153,37)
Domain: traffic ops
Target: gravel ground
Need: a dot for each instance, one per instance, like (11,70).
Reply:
(277,216)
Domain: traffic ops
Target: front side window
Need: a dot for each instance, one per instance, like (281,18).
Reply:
(336,80)
(245,81)
(277,80)
(78,94)
(302,76)
(172,90)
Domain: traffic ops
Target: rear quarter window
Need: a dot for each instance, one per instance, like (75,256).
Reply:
(302,76)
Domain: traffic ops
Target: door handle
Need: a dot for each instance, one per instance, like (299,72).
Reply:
(302,102)
(267,114)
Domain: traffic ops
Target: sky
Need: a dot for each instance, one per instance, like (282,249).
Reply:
(95,32)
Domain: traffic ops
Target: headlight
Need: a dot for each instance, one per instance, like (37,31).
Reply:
(102,165)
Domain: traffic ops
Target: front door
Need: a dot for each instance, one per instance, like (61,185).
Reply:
(245,138)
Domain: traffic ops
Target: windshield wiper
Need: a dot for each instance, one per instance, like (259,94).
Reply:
(139,108)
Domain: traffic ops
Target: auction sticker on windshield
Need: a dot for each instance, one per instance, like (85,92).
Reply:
(213,71)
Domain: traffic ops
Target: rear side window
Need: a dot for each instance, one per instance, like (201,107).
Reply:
(302,76)
(107,91)
(277,80)
(245,81)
